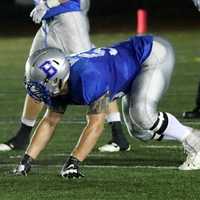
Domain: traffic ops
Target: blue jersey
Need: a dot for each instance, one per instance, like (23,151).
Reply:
(107,70)
(69,6)
(101,71)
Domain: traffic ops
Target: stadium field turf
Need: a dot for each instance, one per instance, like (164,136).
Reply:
(147,172)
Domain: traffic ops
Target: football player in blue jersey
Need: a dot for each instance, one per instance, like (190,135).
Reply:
(139,70)
(64,26)
(195,113)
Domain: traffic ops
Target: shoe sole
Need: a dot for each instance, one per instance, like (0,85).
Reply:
(5,147)
(115,150)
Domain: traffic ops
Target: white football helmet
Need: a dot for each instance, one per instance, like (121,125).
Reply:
(46,72)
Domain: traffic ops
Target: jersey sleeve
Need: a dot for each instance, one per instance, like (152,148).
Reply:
(142,46)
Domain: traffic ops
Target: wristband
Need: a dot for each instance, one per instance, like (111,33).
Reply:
(26,159)
(74,160)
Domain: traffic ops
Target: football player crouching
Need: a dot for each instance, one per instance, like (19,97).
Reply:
(138,69)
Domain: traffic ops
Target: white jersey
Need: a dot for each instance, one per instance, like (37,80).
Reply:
(68,31)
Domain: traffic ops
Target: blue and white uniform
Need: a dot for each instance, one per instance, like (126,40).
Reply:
(110,70)
(139,68)
(107,70)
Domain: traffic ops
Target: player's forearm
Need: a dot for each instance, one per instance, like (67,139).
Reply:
(88,139)
(41,137)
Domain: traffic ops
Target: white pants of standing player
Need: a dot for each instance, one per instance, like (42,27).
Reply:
(68,31)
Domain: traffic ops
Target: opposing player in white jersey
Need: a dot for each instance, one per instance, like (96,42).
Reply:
(139,69)
(65,26)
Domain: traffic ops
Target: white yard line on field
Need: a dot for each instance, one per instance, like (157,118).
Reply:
(78,121)
(162,146)
(107,154)
(101,166)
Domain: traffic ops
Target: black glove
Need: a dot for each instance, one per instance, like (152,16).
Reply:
(71,169)
(24,167)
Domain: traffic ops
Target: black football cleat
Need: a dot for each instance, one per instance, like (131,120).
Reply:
(19,141)
(14,144)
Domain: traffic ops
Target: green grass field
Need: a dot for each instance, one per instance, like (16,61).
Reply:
(148,171)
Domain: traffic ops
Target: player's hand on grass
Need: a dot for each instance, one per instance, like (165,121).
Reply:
(24,167)
(71,169)
(22,170)
(197,4)
(38,12)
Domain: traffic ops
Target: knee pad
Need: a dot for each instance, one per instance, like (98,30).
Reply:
(134,130)
(143,114)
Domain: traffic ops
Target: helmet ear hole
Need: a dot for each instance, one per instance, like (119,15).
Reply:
(60,84)
(56,62)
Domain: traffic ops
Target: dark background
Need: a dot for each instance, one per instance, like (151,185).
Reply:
(111,14)
(161,8)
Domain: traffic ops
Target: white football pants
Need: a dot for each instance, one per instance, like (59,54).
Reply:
(68,31)
(140,105)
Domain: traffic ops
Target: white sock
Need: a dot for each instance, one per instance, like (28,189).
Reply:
(113,117)
(28,122)
(175,129)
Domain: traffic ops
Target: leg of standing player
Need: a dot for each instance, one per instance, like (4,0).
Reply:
(118,141)
(195,113)
(30,112)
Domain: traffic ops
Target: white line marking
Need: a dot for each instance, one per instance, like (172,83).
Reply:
(130,167)
(78,121)
(100,154)
(68,154)
(62,122)
(81,121)
(108,154)
(101,166)
(162,147)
